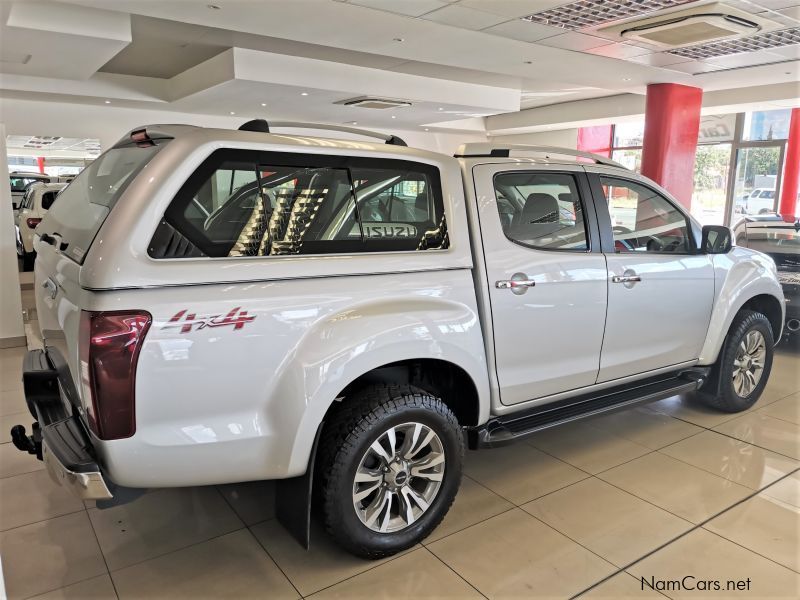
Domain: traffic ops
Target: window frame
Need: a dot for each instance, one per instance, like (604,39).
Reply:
(185,194)
(604,216)
(590,220)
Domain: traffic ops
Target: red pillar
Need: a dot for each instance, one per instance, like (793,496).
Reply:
(671,127)
(595,139)
(40,162)
(791,171)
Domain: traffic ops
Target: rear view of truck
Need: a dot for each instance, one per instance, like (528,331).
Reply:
(84,378)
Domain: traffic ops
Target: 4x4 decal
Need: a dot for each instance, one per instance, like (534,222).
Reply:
(237,317)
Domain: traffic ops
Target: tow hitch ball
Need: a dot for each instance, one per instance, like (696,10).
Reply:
(24,442)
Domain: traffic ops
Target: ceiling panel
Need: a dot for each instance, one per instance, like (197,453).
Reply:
(511,8)
(411,8)
(621,51)
(523,31)
(574,41)
(660,59)
(464,18)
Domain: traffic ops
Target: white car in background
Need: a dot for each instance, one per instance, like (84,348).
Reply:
(20,181)
(38,199)
(760,201)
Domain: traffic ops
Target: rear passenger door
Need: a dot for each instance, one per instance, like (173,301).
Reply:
(546,277)
(660,290)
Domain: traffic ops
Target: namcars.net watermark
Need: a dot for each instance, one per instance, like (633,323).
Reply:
(691,583)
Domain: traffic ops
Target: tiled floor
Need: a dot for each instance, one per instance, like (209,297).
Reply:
(663,491)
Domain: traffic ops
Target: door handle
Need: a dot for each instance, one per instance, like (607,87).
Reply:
(510,284)
(518,284)
(625,279)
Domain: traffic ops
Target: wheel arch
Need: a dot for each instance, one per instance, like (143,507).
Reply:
(442,378)
(743,279)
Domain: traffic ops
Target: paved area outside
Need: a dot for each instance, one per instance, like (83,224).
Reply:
(659,492)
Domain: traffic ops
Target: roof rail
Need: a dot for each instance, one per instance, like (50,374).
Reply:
(264,127)
(505,150)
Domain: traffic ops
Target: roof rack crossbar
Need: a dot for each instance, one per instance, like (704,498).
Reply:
(389,139)
(481,149)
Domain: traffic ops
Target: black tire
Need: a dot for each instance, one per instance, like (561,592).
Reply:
(360,421)
(727,399)
(27,261)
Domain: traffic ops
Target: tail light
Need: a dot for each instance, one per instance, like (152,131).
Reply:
(110,343)
(32,222)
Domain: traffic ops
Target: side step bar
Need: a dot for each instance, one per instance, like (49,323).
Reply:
(509,428)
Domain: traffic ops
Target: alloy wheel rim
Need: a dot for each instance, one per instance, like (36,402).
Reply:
(748,366)
(398,477)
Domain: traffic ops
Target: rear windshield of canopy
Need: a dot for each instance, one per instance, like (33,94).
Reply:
(84,205)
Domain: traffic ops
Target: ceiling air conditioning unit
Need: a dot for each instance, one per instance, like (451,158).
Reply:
(688,27)
(371,102)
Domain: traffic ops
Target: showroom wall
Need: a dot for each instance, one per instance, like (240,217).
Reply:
(563,138)
(109,123)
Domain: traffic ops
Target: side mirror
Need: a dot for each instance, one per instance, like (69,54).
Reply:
(717,239)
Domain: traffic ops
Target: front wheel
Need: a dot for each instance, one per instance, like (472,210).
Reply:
(745,362)
(392,458)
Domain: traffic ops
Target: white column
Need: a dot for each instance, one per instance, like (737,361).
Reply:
(12,329)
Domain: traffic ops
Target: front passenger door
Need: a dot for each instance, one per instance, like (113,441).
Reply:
(661,289)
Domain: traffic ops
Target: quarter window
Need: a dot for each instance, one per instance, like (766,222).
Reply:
(255,205)
(541,210)
(643,220)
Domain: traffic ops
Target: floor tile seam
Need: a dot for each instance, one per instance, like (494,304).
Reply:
(685,533)
(172,551)
(719,535)
(66,514)
(250,531)
(456,573)
(376,564)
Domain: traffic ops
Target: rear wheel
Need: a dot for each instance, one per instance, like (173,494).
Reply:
(391,458)
(745,362)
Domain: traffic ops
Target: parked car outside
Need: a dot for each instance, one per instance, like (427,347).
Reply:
(221,306)
(38,199)
(760,201)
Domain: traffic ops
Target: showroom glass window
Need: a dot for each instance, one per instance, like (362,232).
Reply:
(643,220)
(244,203)
(541,210)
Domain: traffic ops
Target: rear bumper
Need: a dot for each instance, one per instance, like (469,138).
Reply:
(59,437)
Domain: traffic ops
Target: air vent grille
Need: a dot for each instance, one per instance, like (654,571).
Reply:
(588,13)
(761,41)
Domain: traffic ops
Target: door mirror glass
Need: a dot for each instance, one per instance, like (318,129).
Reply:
(717,239)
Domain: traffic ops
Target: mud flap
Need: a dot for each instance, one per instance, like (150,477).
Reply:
(293,500)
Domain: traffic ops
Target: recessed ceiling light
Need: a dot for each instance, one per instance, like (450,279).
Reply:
(304,93)
(426,129)
(394,116)
(263,104)
(440,108)
(108,101)
(233,113)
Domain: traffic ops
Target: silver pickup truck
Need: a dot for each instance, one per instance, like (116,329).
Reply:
(346,316)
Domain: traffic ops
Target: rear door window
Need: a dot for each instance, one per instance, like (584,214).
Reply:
(84,205)
(245,203)
(47,199)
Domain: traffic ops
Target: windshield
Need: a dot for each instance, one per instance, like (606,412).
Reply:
(85,203)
